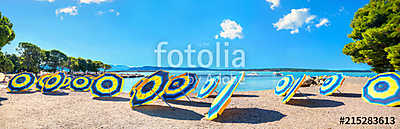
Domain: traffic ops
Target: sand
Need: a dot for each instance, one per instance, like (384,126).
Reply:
(255,109)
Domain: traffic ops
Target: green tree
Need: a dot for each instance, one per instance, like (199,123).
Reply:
(72,64)
(56,59)
(6,32)
(82,64)
(394,55)
(376,36)
(106,67)
(16,60)
(91,66)
(44,59)
(97,66)
(6,65)
(31,57)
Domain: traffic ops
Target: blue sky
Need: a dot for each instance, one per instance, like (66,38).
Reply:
(272,33)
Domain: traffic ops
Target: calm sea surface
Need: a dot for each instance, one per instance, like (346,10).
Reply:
(263,80)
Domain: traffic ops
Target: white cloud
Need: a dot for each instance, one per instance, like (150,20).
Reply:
(114,11)
(111,11)
(341,9)
(50,1)
(73,10)
(322,22)
(230,29)
(310,18)
(295,20)
(294,31)
(100,12)
(308,28)
(274,3)
(93,1)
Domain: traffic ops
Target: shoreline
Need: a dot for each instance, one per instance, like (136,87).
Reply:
(250,109)
(247,70)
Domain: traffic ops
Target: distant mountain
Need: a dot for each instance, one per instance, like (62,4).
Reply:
(121,68)
(149,68)
(153,68)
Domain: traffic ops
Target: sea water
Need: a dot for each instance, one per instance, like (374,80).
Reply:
(255,82)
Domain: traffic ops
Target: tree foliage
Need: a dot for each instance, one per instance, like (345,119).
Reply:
(72,64)
(82,64)
(35,59)
(54,59)
(376,35)
(106,67)
(16,61)
(96,66)
(31,57)
(6,65)
(6,32)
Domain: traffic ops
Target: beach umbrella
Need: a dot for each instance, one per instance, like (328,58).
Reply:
(283,85)
(81,83)
(134,86)
(292,90)
(331,84)
(91,76)
(107,85)
(150,89)
(66,83)
(209,87)
(224,97)
(383,89)
(180,86)
(21,82)
(54,82)
(171,76)
(42,81)
(137,84)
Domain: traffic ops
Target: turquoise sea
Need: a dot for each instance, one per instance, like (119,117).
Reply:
(253,81)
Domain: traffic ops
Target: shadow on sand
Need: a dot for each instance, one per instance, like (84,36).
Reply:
(115,99)
(167,112)
(303,95)
(190,103)
(249,115)
(315,103)
(57,93)
(235,95)
(351,95)
(2,99)
(23,92)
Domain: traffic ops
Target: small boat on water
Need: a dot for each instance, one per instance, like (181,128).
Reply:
(277,74)
(252,74)
(131,75)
